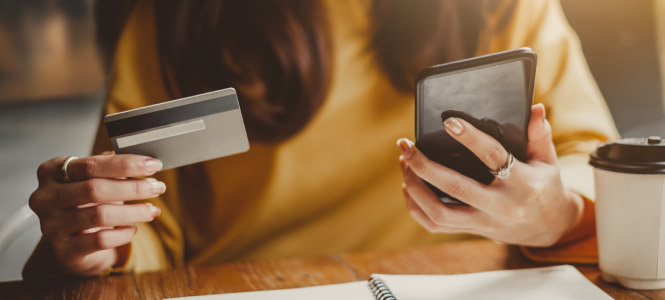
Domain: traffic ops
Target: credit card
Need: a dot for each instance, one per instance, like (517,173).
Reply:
(182,131)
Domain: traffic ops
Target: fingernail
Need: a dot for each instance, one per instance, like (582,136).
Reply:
(406,146)
(453,125)
(155,210)
(158,187)
(153,165)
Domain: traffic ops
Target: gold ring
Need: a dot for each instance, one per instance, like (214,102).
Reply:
(504,171)
(63,167)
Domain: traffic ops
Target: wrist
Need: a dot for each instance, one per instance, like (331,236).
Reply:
(582,218)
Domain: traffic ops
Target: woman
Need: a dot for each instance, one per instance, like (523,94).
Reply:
(325,89)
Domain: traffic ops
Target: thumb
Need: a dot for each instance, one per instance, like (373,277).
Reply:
(540,146)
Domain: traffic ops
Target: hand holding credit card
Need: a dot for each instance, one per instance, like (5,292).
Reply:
(182,131)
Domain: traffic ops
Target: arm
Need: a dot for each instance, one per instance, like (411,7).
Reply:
(547,195)
(578,114)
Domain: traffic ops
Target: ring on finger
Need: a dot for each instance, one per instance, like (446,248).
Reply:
(503,172)
(63,168)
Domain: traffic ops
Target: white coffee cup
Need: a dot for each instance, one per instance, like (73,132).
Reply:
(630,211)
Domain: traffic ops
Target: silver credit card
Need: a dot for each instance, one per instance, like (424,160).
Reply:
(183,131)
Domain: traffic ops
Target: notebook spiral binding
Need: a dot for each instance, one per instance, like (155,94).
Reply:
(380,289)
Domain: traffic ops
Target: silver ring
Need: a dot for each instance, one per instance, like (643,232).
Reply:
(504,171)
(63,168)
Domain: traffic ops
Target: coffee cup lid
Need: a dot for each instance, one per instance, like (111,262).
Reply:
(631,155)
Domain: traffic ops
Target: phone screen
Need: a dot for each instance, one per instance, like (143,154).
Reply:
(494,98)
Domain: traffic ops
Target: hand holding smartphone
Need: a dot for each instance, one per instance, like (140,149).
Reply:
(493,93)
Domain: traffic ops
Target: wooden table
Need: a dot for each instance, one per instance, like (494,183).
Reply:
(448,258)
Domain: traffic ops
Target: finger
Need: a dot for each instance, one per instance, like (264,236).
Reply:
(101,240)
(431,205)
(112,166)
(100,190)
(49,170)
(106,215)
(447,180)
(540,146)
(485,147)
(417,214)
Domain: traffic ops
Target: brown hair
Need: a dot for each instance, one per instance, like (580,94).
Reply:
(276,53)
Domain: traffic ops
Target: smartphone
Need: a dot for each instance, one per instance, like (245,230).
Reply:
(493,92)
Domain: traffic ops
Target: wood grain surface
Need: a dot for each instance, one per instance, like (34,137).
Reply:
(447,258)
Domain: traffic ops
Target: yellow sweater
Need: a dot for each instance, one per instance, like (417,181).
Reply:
(336,186)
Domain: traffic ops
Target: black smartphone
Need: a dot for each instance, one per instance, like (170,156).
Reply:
(493,92)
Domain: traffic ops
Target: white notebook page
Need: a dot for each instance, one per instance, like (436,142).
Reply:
(558,282)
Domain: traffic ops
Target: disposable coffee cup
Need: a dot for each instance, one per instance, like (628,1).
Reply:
(630,211)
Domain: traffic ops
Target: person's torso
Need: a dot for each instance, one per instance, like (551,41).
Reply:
(334,187)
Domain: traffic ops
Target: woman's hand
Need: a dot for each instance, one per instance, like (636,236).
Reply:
(84,219)
(531,207)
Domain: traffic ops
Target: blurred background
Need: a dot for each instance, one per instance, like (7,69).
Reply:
(52,90)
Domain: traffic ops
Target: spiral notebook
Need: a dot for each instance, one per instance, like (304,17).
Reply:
(557,282)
